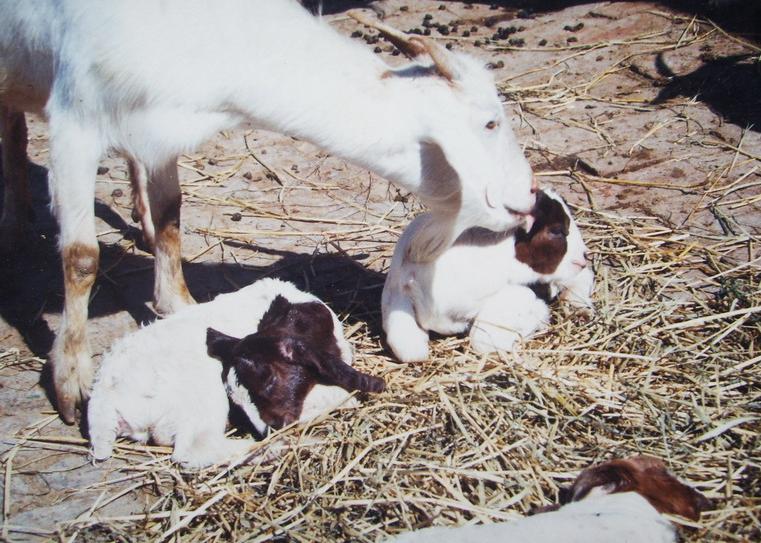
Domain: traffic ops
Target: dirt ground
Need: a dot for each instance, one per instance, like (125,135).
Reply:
(630,110)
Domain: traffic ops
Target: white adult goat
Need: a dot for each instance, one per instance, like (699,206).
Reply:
(124,76)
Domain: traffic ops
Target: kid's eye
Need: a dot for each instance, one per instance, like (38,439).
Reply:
(491,125)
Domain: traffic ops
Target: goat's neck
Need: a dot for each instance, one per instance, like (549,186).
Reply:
(343,104)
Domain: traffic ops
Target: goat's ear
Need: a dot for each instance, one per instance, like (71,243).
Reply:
(434,236)
(334,371)
(220,345)
(608,478)
(277,310)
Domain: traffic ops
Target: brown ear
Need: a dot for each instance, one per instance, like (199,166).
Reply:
(334,371)
(220,346)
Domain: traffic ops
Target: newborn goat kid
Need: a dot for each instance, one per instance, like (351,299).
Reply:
(160,383)
(621,500)
(484,277)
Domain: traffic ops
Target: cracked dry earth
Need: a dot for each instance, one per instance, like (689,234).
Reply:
(627,108)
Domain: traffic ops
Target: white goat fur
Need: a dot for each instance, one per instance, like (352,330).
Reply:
(625,517)
(159,382)
(477,279)
(124,76)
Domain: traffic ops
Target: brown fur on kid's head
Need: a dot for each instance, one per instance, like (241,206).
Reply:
(293,349)
(543,247)
(645,475)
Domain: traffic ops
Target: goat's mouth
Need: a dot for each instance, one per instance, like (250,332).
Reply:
(525,218)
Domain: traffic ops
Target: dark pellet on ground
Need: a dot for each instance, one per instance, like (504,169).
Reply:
(449,46)
(356,34)
(377,50)
(542,42)
(415,31)
(572,39)
(442,7)
(427,32)
(427,17)
(248,175)
(466,33)
(474,28)
(404,8)
(574,28)
(235,217)
(477,43)
(102,170)
(443,30)
(516,42)
(117,193)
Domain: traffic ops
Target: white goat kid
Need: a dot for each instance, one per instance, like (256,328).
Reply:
(484,277)
(622,500)
(162,383)
(435,127)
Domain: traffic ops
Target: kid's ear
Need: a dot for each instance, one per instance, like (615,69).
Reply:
(220,345)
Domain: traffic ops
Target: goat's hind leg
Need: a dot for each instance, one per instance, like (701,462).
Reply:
(170,292)
(16,201)
(141,211)
(74,153)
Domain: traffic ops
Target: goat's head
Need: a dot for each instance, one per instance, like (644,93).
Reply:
(553,247)
(642,474)
(274,369)
(474,173)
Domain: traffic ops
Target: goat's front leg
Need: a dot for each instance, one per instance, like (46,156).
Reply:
(74,153)
(170,292)
(16,202)
(407,339)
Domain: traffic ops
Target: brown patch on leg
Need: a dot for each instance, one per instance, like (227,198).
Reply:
(72,365)
(16,202)
(171,291)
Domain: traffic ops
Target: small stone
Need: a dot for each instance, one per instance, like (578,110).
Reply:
(542,42)
(212,162)
(235,217)
(102,170)
(449,46)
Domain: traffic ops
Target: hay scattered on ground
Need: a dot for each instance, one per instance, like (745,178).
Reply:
(668,365)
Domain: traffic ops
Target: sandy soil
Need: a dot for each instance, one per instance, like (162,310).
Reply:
(591,129)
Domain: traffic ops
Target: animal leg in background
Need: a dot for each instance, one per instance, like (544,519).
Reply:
(141,211)
(16,202)
(170,292)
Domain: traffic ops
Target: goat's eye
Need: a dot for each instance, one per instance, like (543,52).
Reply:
(557,231)
(491,125)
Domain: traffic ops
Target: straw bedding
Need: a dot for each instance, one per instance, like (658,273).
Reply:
(668,365)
